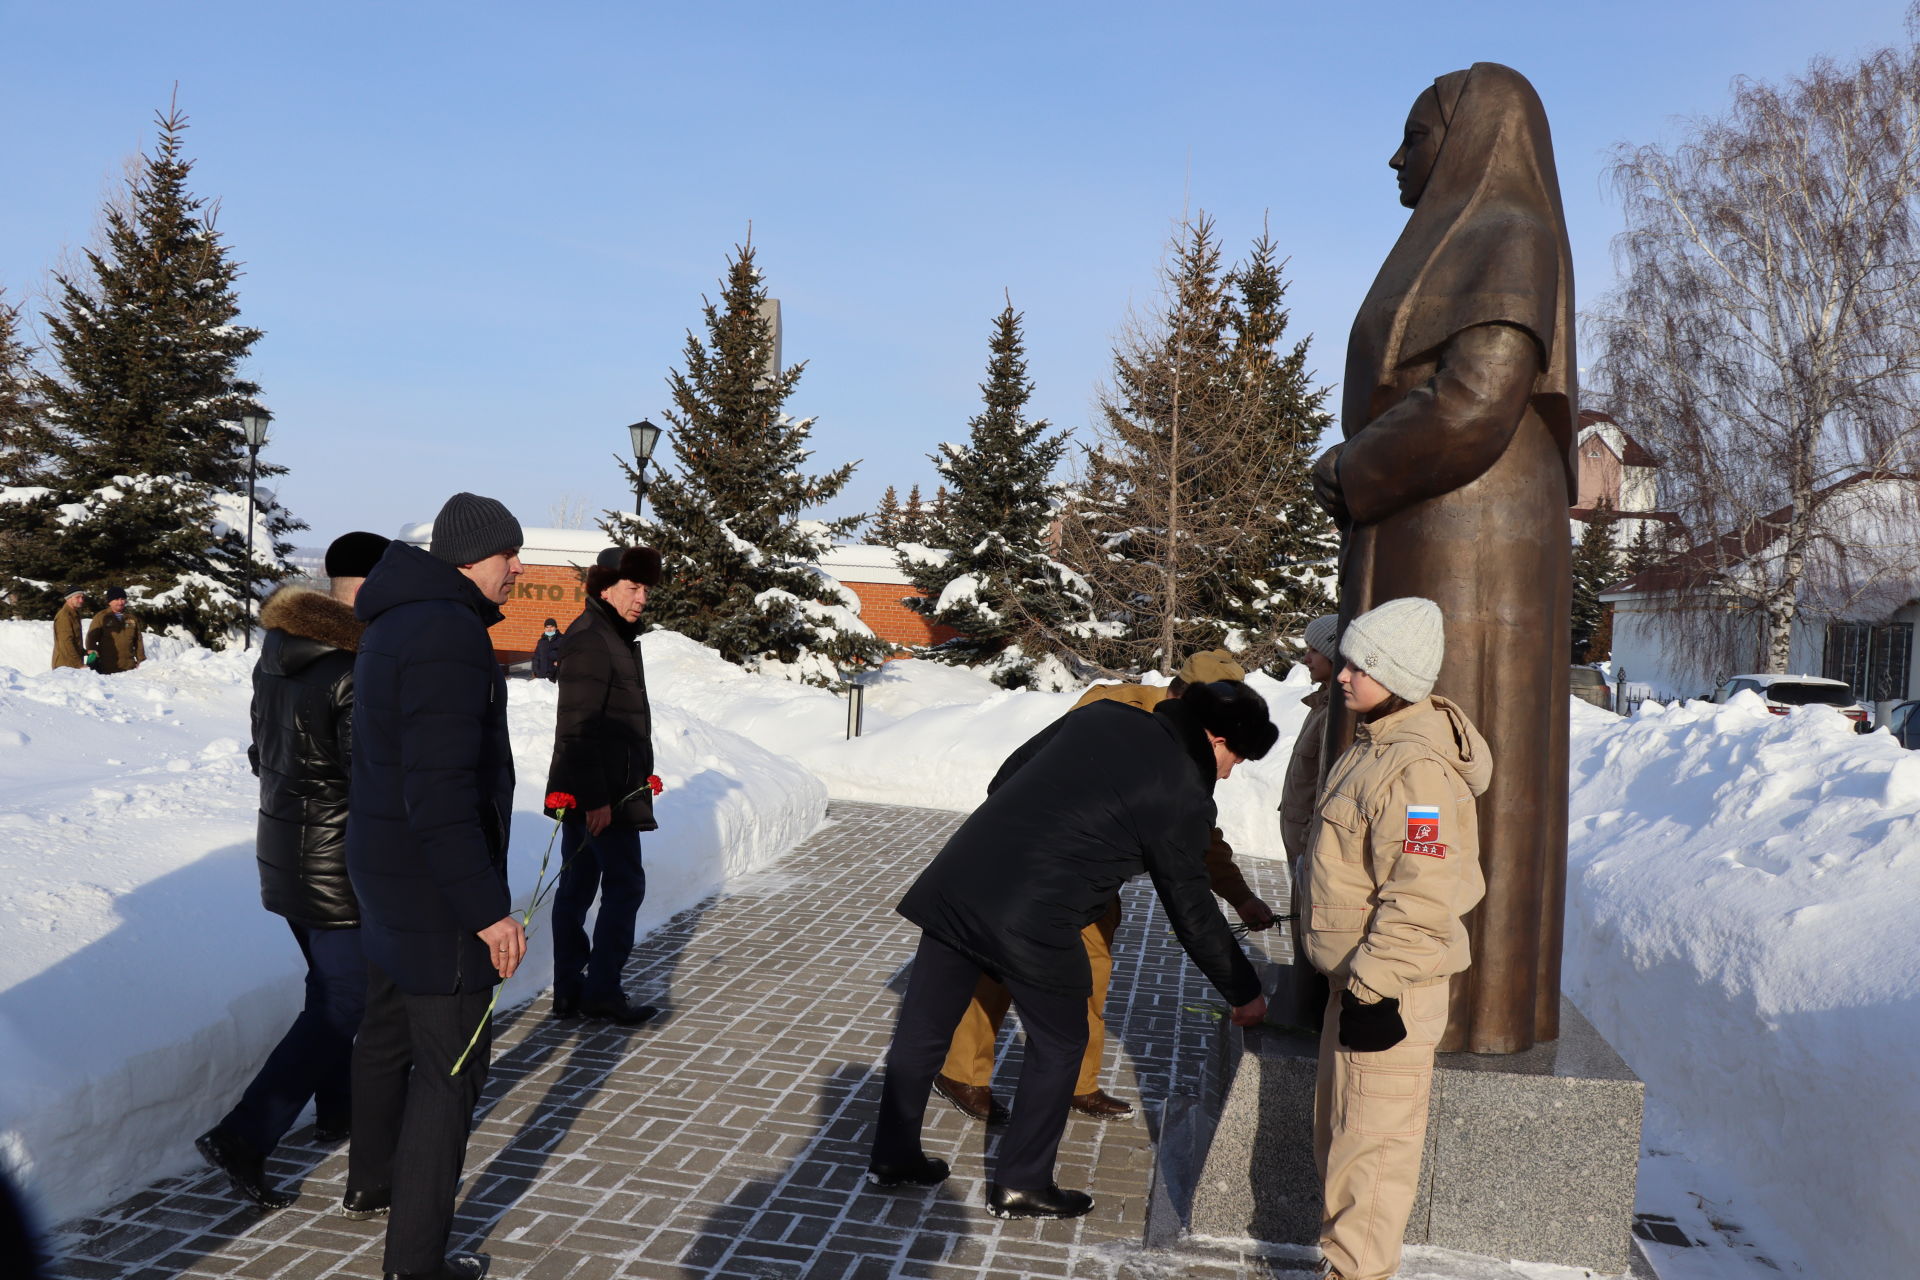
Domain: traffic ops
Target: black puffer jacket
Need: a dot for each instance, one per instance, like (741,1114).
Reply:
(432,775)
(302,743)
(1100,795)
(603,732)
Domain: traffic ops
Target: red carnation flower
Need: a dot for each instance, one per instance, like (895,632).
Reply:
(654,784)
(560,800)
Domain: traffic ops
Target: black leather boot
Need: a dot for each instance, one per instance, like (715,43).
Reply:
(1052,1202)
(457,1266)
(245,1168)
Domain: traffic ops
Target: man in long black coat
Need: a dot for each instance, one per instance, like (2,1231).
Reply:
(602,757)
(1102,794)
(427,852)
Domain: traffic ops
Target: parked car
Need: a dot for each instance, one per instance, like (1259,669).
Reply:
(1904,725)
(1590,685)
(1783,693)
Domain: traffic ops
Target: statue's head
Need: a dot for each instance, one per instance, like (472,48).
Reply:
(1419,146)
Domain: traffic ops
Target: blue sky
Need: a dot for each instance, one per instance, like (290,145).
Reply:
(476,234)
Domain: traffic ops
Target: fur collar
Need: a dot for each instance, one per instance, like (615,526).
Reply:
(313,615)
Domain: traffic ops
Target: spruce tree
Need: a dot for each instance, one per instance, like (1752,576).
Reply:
(884,528)
(1596,566)
(913,518)
(739,556)
(25,443)
(999,586)
(937,512)
(148,466)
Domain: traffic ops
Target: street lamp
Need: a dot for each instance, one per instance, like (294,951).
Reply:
(646,438)
(255,426)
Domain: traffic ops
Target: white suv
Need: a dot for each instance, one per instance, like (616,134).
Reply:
(1783,693)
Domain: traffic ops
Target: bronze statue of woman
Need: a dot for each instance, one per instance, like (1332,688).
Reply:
(1453,483)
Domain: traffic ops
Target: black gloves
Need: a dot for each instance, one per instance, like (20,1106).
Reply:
(1369,1028)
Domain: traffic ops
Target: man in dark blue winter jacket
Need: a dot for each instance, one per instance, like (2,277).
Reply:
(427,853)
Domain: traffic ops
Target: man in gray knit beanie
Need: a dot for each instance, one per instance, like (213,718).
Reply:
(471,528)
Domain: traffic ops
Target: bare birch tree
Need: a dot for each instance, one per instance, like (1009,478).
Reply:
(1765,340)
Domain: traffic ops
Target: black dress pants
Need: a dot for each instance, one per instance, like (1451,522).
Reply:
(938,990)
(411,1117)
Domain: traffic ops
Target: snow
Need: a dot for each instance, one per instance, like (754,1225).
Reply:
(1740,892)
(142,983)
(1741,888)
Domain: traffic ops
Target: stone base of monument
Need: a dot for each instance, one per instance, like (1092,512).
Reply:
(1529,1156)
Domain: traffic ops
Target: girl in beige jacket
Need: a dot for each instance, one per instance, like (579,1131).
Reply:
(1393,865)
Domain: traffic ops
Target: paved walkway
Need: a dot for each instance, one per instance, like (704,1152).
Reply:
(728,1138)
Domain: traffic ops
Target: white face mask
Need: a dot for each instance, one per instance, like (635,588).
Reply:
(550,631)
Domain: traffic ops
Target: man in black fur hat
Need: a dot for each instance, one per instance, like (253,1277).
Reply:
(603,757)
(302,734)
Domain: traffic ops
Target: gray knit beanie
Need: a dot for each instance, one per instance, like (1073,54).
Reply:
(470,528)
(1323,636)
(1400,644)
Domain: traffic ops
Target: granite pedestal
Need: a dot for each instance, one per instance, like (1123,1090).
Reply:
(1529,1156)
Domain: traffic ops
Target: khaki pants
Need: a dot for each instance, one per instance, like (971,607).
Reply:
(1370,1124)
(970,1058)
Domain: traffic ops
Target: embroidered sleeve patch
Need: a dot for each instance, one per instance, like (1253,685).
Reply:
(1423,831)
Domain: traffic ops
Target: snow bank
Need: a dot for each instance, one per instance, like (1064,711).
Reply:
(1741,894)
(142,983)
(934,734)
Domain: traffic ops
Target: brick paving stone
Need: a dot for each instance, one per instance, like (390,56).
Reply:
(728,1138)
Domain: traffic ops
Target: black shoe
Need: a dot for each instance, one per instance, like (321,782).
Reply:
(618,1012)
(565,1006)
(924,1172)
(331,1129)
(244,1169)
(1005,1202)
(457,1266)
(361,1205)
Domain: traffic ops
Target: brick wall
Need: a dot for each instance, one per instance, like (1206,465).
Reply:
(543,591)
(880,609)
(555,591)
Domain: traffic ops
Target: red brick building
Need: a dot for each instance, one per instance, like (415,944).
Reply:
(874,575)
(552,587)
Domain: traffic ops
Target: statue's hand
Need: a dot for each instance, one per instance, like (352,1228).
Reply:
(1326,487)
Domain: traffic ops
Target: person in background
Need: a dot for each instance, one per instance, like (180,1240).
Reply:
(1302,996)
(1089,802)
(964,1079)
(301,752)
(427,828)
(1392,867)
(546,652)
(602,757)
(117,639)
(69,650)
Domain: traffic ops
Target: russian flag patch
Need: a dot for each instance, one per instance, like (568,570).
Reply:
(1423,830)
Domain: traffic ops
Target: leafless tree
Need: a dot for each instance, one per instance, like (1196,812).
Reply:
(571,511)
(1186,520)
(1764,339)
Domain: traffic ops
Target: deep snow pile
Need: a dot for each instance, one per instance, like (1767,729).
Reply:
(141,982)
(1740,925)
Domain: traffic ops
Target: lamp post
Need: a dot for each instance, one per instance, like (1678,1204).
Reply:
(255,426)
(646,438)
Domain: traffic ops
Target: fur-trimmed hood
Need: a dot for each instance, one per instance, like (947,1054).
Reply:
(313,617)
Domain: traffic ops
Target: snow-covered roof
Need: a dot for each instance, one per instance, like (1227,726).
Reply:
(860,562)
(542,546)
